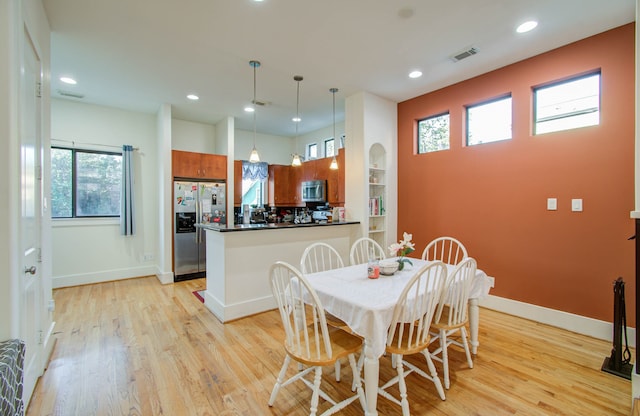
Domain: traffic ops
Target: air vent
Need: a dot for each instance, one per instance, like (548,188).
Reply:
(464,54)
(261,103)
(71,94)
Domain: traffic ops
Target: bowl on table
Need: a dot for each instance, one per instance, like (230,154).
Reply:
(388,267)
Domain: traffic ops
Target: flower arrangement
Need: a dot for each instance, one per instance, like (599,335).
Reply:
(401,249)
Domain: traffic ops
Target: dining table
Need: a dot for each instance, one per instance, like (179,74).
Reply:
(366,305)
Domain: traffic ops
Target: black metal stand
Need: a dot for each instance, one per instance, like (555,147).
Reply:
(619,362)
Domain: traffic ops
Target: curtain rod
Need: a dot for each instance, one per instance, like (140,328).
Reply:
(73,143)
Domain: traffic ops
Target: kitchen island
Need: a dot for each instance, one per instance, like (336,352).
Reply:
(239,258)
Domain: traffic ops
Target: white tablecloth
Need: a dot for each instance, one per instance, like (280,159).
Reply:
(366,305)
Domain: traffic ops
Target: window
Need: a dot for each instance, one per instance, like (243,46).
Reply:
(489,121)
(253,192)
(85,183)
(312,151)
(567,105)
(433,134)
(329,147)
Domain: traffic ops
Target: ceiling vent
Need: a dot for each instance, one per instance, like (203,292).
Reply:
(464,54)
(71,94)
(261,103)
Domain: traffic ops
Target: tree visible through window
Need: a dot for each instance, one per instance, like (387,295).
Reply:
(433,133)
(85,183)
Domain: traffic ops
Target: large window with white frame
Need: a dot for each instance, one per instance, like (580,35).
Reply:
(489,121)
(568,104)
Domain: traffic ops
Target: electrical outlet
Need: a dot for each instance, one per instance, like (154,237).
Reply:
(148,257)
(552,204)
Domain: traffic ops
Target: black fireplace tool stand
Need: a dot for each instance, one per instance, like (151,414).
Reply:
(619,361)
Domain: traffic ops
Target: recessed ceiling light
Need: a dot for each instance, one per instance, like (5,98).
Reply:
(527,26)
(296,119)
(68,80)
(249,109)
(193,97)
(415,74)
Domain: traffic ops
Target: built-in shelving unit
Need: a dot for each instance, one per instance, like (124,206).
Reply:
(377,194)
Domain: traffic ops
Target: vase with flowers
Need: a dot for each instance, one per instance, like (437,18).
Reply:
(401,249)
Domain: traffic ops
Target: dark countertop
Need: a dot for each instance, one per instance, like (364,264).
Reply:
(269,226)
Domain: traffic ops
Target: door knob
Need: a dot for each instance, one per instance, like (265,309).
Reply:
(30,270)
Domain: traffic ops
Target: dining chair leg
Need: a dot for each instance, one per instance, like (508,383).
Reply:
(357,382)
(434,374)
(445,358)
(337,367)
(279,380)
(316,391)
(402,385)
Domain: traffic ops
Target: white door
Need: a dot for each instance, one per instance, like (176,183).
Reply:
(30,216)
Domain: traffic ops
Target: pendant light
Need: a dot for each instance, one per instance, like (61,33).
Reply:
(334,161)
(254,157)
(297,160)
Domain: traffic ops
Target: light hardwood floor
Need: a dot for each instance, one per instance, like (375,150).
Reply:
(136,347)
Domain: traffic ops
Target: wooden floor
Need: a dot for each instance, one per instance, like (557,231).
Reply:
(136,347)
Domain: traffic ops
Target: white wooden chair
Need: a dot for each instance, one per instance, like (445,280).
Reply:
(452,315)
(363,248)
(409,330)
(319,257)
(308,339)
(446,249)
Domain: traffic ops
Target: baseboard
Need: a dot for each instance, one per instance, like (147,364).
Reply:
(229,312)
(571,322)
(164,278)
(103,276)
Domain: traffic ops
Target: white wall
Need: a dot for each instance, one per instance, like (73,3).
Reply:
(319,136)
(91,250)
(272,149)
(193,137)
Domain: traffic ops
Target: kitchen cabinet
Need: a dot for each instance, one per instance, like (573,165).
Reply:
(284,186)
(335,181)
(198,165)
(315,169)
(237,181)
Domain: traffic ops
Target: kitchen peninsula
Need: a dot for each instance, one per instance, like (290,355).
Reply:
(239,258)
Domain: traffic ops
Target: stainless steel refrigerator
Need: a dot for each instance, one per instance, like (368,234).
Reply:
(195,202)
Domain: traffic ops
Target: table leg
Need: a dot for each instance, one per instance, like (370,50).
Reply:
(474,319)
(371,370)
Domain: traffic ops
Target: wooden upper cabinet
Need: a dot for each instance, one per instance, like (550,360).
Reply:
(335,182)
(284,186)
(198,165)
(237,178)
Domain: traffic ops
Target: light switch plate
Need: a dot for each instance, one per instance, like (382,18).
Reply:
(552,204)
(576,205)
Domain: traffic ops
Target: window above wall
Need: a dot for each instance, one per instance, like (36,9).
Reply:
(433,133)
(312,151)
(566,105)
(329,147)
(489,121)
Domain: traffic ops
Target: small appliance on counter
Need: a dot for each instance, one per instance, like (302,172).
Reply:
(322,217)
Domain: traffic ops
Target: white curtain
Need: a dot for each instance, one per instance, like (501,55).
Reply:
(259,170)
(127,207)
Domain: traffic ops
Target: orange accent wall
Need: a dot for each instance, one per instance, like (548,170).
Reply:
(493,197)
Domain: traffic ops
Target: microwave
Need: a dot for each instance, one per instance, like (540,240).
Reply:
(314,191)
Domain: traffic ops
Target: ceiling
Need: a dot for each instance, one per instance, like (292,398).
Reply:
(139,54)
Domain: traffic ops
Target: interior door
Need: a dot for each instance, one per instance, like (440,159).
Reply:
(30,283)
